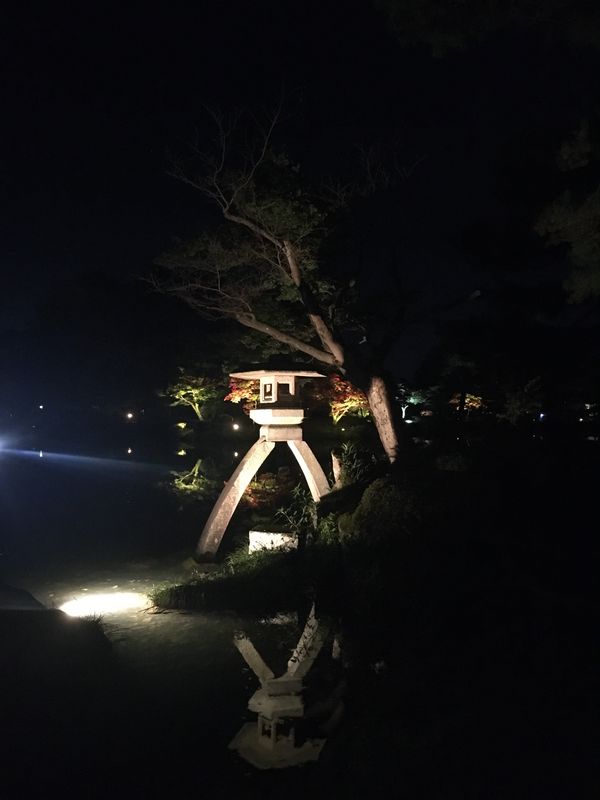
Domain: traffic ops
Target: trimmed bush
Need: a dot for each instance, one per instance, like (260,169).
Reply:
(386,511)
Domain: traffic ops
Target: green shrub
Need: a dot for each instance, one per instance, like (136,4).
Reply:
(299,516)
(356,462)
(385,512)
(328,531)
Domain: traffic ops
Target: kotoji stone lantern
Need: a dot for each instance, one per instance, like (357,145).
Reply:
(279,413)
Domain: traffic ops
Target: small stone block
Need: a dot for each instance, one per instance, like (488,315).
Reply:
(266,540)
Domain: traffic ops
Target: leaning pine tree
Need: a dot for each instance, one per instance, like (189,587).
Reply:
(261,268)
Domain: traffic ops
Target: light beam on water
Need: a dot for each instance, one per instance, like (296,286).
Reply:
(83,461)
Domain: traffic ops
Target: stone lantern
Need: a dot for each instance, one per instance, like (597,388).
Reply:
(280,414)
(280,704)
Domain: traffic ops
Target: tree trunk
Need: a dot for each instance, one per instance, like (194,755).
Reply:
(336,465)
(381,409)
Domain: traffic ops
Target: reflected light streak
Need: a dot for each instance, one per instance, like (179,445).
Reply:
(82,461)
(6,444)
(95,605)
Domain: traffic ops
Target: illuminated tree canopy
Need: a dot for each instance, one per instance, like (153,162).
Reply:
(193,391)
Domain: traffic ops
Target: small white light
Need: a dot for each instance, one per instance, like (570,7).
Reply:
(580,419)
(235,426)
(181,425)
(542,415)
(236,454)
(41,453)
(41,408)
(409,421)
(182,452)
(129,451)
(343,429)
(129,415)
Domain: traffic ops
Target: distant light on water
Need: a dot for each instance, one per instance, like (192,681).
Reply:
(94,605)
(81,461)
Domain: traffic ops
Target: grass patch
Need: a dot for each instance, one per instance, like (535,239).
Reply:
(264,581)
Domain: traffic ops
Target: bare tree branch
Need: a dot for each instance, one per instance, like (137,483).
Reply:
(235,277)
(322,330)
(252,226)
(256,162)
(296,344)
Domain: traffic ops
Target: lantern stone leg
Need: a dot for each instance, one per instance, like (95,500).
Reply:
(230,497)
(311,469)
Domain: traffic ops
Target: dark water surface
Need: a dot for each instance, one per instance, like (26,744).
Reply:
(59,508)
(499,691)
(163,708)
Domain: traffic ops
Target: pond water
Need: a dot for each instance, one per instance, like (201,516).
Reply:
(75,526)
(101,521)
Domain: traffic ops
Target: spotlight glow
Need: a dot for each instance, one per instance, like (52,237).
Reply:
(129,415)
(235,426)
(81,462)
(182,452)
(94,605)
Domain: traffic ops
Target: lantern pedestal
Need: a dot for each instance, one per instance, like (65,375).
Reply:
(280,416)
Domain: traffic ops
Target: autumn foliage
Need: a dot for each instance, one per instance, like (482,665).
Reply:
(245,392)
(342,397)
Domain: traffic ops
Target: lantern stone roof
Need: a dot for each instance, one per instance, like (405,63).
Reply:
(262,373)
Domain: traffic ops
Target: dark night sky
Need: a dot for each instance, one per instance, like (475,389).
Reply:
(93,98)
